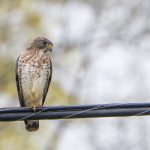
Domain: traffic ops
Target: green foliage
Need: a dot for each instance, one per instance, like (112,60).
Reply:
(32,19)
(56,95)
(4,33)
(7,76)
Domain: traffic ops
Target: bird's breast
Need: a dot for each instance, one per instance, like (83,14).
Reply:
(34,75)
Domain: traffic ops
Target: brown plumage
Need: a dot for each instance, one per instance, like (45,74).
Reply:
(33,76)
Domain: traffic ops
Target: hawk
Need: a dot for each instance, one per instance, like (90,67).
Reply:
(33,76)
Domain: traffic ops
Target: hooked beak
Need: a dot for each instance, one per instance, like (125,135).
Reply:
(49,47)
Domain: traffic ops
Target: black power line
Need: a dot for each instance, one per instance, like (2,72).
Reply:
(82,111)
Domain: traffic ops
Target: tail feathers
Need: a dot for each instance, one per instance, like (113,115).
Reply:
(31,125)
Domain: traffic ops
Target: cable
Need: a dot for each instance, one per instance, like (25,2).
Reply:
(82,111)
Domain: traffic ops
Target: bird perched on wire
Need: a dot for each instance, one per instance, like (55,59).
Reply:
(33,76)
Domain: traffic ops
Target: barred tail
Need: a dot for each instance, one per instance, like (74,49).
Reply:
(32,125)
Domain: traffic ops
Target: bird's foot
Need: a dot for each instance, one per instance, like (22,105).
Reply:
(34,107)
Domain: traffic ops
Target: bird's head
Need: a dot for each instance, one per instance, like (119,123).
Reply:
(42,44)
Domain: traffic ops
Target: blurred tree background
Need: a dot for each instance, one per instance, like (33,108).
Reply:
(101,55)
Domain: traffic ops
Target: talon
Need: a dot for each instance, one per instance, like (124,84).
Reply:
(33,108)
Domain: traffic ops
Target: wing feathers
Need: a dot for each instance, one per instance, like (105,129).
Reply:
(47,83)
(18,83)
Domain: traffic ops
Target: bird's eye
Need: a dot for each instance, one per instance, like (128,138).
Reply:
(44,42)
